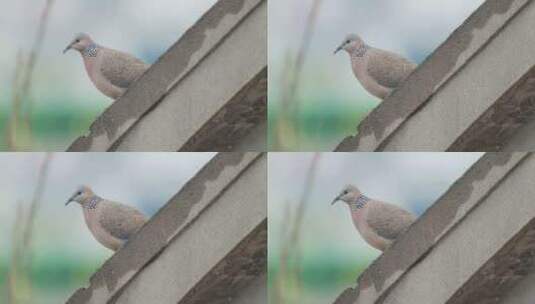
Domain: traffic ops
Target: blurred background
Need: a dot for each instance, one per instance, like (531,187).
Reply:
(312,110)
(46,98)
(47,263)
(314,250)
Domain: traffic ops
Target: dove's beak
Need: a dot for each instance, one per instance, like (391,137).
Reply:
(70,199)
(338,49)
(67,48)
(335,200)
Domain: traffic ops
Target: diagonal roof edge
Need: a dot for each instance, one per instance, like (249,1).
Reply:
(443,64)
(191,49)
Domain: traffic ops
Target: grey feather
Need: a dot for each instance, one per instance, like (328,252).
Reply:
(387,220)
(119,220)
(387,68)
(121,69)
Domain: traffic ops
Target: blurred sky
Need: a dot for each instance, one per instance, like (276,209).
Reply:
(411,180)
(144,28)
(143,180)
(413,28)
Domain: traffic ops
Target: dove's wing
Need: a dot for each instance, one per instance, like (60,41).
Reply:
(387,68)
(121,69)
(119,220)
(387,220)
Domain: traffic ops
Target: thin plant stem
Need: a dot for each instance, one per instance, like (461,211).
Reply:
(34,54)
(14,267)
(22,105)
(36,199)
(11,135)
(290,246)
(23,227)
(290,90)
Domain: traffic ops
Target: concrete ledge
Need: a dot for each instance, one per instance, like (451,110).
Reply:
(508,268)
(498,126)
(208,242)
(244,115)
(455,97)
(247,262)
(475,242)
(213,78)
(523,292)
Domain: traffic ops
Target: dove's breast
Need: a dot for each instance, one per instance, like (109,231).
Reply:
(93,66)
(360,69)
(367,233)
(102,236)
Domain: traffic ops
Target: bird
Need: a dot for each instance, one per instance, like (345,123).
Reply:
(111,71)
(379,71)
(379,223)
(111,223)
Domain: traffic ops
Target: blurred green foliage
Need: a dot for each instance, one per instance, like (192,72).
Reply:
(319,123)
(53,277)
(54,125)
(57,271)
(323,275)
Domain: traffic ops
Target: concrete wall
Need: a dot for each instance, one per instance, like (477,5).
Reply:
(476,244)
(523,293)
(472,94)
(255,293)
(523,139)
(207,93)
(207,245)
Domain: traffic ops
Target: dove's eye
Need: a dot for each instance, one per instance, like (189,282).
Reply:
(77,40)
(348,41)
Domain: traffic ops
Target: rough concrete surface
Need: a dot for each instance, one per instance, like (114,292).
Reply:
(205,200)
(205,242)
(434,75)
(230,276)
(448,116)
(161,86)
(523,292)
(246,110)
(256,292)
(465,250)
(495,281)
(501,122)
(436,253)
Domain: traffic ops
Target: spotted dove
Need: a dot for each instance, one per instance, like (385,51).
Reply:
(379,223)
(111,71)
(111,223)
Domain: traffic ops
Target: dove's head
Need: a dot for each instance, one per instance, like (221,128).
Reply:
(349,194)
(81,195)
(79,43)
(351,43)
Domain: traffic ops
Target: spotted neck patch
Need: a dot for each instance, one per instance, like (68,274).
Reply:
(359,203)
(361,51)
(90,51)
(93,202)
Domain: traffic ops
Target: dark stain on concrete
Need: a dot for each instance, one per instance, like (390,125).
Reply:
(246,262)
(154,236)
(420,239)
(154,84)
(492,282)
(421,85)
(350,143)
(228,126)
(494,128)
(348,296)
